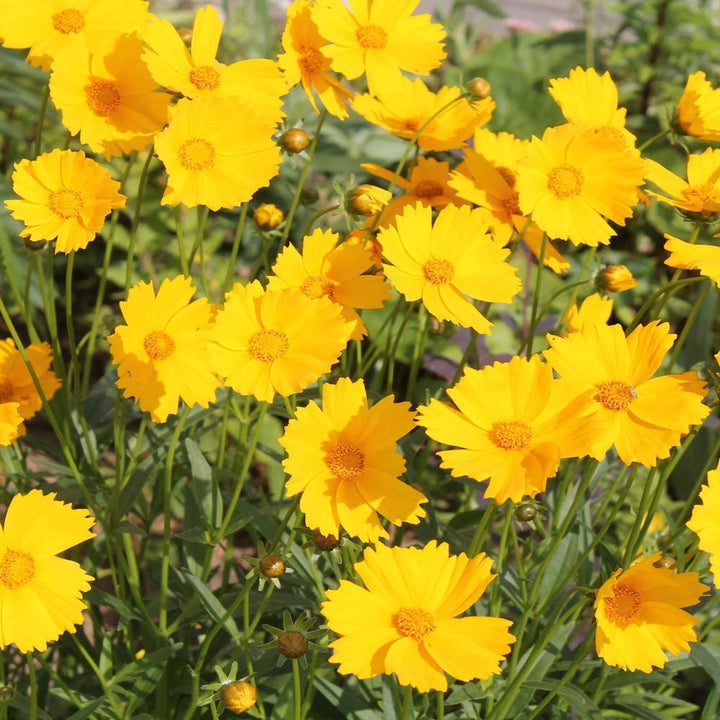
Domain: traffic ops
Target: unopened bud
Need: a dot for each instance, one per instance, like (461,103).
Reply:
(615,278)
(526,511)
(268,216)
(185,34)
(35,244)
(238,697)
(368,200)
(292,644)
(272,566)
(479,87)
(324,542)
(309,195)
(294,140)
(666,561)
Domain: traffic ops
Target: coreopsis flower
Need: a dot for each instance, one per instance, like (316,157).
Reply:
(161,351)
(640,617)
(595,308)
(275,341)
(196,72)
(343,459)
(446,262)
(690,256)
(40,594)
(367,200)
(575,177)
(401,623)
(10,421)
(238,697)
(208,161)
(268,216)
(699,108)
(379,38)
(704,521)
(16,382)
(65,197)
(629,407)
(334,271)
(303,62)
(110,99)
(615,278)
(408,105)
(699,196)
(504,438)
(47,26)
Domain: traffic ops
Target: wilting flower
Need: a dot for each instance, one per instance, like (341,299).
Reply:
(639,615)
(65,196)
(40,594)
(208,161)
(334,272)
(514,443)
(699,108)
(595,308)
(275,341)
(446,262)
(161,352)
(379,38)
(630,406)
(704,521)
(343,459)
(615,278)
(690,256)
(401,623)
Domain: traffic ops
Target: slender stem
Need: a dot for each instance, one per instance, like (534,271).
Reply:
(317,216)
(181,243)
(688,325)
(297,690)
(482,529)
(136,219)
(534,317)
(37,146)
(390,359)
(406,712)
(235,248)
(33,686)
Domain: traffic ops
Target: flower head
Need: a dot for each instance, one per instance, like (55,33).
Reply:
(40,594)
(65,196)
(239,696)
(699,108)
(401,623)
(639,615)
(615,278)
(687,256)
(704,521)
(595,308)
(10,422)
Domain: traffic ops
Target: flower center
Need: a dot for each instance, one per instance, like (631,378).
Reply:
(6,389)
(624,606)
(205,78)
(413,622)
(68,21)
(438,271)
(345,461)
(701,195)
(507,175)
(565,181)
(372,37)
(102,96)
(311,60)
(412,125)
(615,395)
(315,287)
(268,345)
(66,203)
(428,189)
(159,345)
(511,434)
(197,154)
(16,569)
(511,204)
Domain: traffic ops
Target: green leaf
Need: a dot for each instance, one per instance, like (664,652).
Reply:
(88,710)
(204,486)
(212,605)
(578,700)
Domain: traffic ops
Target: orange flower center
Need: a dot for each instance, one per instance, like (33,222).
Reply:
(701,195)
(159,345)
(268,345)
(565,181)
(311,60)
(345,461)
(197,154)
(372,37)
(16,569)
(205,78)
(102,96)
(412,125)
(511,434)
(413,622)
(615,395)
(68,21)
(66,203)
(507,175)
(624,607)
(315,287)
(511,204)
(6,389)
(428,189)
(438,271)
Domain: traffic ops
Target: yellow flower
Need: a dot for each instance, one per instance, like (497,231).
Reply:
(110,99)
(515,443)
(47,26)
(161,352)
(16,383)
(208,161)
(630,406)
(379,38)
(639,615)
(704,521)
(446,262)
(367,200)
(687,256)
(699,108)
(40,594)
(595,308)
(275,341)
(303,62)
(10,421)
(404,620)
(239,696)
(335,272)
(268,216)
(574,177)
(64,196)
(196,72)
(616,278)
(344,461)
(407,105)
(699,197)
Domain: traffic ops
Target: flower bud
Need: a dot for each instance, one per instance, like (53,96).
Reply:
(292,644)
(368,200)
(525,511)
(294,140)
(436,327)
(324,542)
(666,561)
(309,195)
(186,34)
(35,244)
(268,216)
(272,566)
(615,278)
(239,696)
(479,87)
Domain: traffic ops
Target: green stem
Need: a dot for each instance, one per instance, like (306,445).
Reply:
(136,219)
(534,317)
(688,325)
(235,249)
(37,146)
(651,140)
(317,216)
(184,269)
(406,712)
(482,529)
(33,686)
(390,359)
(297,690)
(669,289)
